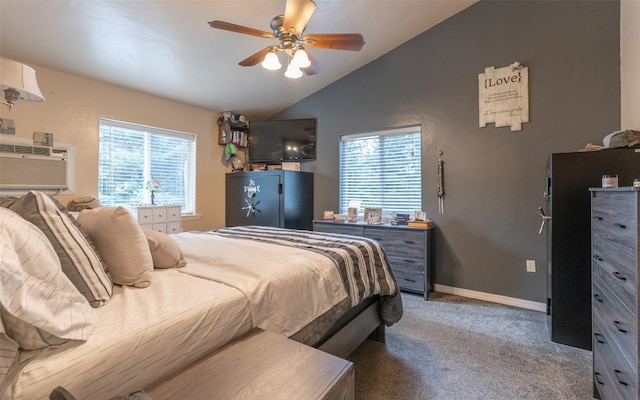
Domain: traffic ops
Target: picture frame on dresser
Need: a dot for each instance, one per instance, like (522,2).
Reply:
(372,215)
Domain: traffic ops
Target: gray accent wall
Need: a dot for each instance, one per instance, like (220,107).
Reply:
(495,178)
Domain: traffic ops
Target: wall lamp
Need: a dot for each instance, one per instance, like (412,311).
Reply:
(18,82)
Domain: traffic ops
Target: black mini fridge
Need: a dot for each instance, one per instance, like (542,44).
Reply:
(568,230)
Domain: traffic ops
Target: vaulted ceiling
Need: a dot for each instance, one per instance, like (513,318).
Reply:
(166,48)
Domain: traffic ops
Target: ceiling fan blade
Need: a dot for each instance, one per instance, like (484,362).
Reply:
(227,26)
(315,67)
(297,14)
(255,58)
(336,41)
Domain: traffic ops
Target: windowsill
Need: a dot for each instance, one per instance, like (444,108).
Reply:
(191,217)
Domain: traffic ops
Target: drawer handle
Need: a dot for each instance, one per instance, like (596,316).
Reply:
(597,257)
(597,297)
(619,327)
(597,376)
(410,280)
(409,261)
(598,218)
(619,225)
(619,276)
(409,242)
(619,375)
(599,338)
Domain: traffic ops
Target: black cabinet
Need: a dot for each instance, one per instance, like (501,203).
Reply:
(270,198)
(569,177)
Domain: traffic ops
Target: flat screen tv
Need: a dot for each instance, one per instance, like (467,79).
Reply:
(282,140)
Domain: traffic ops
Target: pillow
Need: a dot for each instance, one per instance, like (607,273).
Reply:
(79,259)
(121,243)
(165,252)
(39,305)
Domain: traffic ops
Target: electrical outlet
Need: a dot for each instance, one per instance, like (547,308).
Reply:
(531,265)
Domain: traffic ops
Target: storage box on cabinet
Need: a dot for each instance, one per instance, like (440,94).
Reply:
(614,250)
(165,219)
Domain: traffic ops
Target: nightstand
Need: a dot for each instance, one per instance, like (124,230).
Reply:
(165,218)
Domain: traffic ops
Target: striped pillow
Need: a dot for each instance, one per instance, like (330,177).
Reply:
(39,306)
(79,259)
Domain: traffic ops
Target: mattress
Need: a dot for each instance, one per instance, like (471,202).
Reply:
(135,341)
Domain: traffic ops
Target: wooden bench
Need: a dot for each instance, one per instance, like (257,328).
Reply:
(261,365)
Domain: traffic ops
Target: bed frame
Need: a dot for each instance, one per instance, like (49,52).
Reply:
(366,324)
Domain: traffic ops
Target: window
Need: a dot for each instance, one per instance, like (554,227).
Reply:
(382,169)
(131,155)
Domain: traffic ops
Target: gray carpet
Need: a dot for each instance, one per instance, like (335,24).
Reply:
(455,348)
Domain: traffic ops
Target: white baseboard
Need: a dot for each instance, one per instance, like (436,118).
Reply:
(493,298)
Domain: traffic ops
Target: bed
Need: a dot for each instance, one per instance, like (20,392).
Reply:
(323,290)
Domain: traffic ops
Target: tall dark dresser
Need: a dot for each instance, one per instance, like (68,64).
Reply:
(270,198)
(615,265)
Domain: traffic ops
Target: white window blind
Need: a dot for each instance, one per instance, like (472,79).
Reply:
(131,155)
(382,169)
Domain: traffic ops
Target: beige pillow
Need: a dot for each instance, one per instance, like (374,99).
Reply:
(164,250)
(121,243)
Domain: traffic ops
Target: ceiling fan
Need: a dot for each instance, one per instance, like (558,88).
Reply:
(288,29)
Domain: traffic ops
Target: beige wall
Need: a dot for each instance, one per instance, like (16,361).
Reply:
(630,64)
(71,111)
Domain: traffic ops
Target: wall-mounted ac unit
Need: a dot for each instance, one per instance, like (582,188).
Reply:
(24,167)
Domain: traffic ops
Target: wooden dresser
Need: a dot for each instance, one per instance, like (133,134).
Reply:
(165,219)
(410,250)
(615,265)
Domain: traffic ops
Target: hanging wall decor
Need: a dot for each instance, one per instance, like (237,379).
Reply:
(504,96)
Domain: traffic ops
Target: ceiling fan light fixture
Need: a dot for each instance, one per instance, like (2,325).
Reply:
(293,71)
(300,59)
(271,61)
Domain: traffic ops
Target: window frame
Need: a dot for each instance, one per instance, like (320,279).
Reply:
(387,213)
(189,208)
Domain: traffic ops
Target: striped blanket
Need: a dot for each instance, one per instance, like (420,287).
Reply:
(362,262)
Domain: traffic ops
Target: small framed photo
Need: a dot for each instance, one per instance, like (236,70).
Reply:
(419,215)
(43,139)
(327,215)
(372,215)
(352,214)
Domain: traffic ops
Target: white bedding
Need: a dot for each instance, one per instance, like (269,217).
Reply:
(287,287)
(142,335)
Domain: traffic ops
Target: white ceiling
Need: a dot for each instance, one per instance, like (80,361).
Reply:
(166,48)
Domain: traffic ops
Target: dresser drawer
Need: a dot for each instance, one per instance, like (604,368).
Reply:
(159,214)
(611,363)
(616,321)
(144,215)
(617,270)
(602,380)
(173,227)
(622,234)
(408,279)
(399,243)
(614,207)
(174,213)
(339,228)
